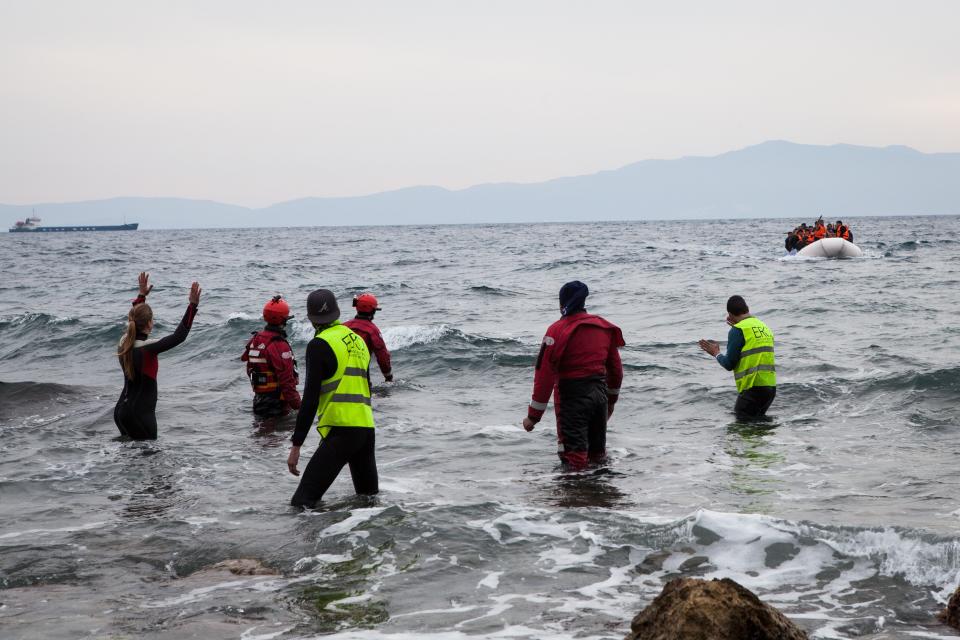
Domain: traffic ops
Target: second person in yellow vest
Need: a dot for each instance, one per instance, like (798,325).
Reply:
(750,356)
(337,393)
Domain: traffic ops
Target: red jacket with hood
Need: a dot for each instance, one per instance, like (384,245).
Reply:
(577,346)
(371,335)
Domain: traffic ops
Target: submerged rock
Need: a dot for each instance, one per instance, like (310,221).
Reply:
(951,615)
(245,567)
(695,609)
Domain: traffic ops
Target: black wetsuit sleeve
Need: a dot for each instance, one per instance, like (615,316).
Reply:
(169,342)
(321,363)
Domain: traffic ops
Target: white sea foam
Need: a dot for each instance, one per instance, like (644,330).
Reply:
(24,318)
(249,634)
(503,431)
(453,609)
(195,594)
(557,559)
(511,631)
(320,558)
(918,561)
(197,522)
(400,485)
(524,523)
(356,517)
(491,580)
(42,421)
(41,532)
(406,336)
(300,330)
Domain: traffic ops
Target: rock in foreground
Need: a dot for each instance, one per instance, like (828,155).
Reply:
(951,615)
(694,609)
(245,567)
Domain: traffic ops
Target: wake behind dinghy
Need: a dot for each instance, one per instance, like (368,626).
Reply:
(831,248)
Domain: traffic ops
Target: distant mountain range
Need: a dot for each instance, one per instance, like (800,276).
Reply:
(769,180)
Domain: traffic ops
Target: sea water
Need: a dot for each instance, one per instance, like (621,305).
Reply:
(843,510)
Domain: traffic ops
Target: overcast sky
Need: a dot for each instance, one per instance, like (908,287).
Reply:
(258,102)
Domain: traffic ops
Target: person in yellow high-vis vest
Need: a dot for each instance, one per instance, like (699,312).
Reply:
(337,393)
(751,358)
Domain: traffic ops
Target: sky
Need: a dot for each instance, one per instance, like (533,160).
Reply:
(253,103)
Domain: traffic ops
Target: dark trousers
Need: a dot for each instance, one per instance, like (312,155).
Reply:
(140,425)
(342,446)
(581,407)
(269,406)
(754,402)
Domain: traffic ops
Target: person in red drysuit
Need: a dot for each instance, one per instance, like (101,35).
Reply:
(580,365)
(363,326)
(271,367)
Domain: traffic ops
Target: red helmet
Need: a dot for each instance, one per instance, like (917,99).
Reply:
(276,311)
(366,303)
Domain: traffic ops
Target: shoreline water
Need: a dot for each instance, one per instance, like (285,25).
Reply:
(843,514)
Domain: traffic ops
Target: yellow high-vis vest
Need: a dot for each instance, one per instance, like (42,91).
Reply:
(756,367)
(345,396)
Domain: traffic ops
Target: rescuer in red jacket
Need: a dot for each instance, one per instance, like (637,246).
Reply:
(580,365)
(271,367)
(363,326)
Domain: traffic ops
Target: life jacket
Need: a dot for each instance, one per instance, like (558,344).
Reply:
(345,396)
(263,378)
(843,231)
(819,232)
(756,367)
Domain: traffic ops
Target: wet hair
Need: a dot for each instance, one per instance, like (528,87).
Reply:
(137,320)
(839,221)
(737,306)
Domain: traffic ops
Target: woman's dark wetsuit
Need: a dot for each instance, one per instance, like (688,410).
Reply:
(135,411)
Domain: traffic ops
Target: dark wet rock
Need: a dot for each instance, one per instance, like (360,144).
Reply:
(705,536)
(695,609)
(951,615)
(653,562)
(694,562)
(245,567)
(780,552)
(695,566)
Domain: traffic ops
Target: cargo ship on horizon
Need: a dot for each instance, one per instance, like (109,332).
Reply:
(32,225)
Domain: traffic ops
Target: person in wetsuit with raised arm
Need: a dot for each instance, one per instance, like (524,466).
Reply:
(135,412)
(337,392)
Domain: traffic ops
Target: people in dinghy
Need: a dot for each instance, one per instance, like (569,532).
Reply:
(802,235)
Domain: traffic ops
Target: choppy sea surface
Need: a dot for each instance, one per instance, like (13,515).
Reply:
(843,510)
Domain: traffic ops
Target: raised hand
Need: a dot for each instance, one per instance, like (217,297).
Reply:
(195,291)
(710,347)
(145,286)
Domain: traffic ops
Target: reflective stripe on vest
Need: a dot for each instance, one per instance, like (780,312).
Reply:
(263,378)
(756,367)
(345,396)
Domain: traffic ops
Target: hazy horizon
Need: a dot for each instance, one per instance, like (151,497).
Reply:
(254,104)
